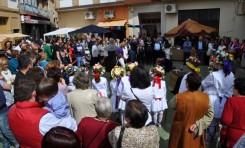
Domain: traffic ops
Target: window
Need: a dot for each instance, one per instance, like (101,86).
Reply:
(3,20)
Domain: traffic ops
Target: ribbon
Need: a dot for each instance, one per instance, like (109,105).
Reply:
(141,26)
(118,81)
(227,67)
(96,75)
(158,99)
(157,80)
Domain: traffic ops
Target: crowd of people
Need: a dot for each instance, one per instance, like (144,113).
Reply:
(48,98)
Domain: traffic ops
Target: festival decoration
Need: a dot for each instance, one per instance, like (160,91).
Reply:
(193,63)
(223,58)
(157,73)
(98,68)
(117,72)
(130,66)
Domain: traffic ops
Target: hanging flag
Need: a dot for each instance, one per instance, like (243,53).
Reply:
(141,26)
(126,25)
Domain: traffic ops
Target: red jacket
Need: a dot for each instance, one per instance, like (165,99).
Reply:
(24,118)
(233,117)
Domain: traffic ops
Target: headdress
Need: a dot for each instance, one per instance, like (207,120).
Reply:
(69,69)
(130,66)
(117,72)
(193,63)
(223,58)
(98,70)
(158,74)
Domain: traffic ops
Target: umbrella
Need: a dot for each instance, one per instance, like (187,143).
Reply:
(14,36)
(90,28)
(191,27)
(2,38)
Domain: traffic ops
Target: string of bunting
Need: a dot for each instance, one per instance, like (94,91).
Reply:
(126,26)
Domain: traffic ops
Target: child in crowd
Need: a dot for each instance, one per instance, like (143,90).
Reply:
(116,73)
(5,72)
(124,85)
(100,83)
(54,100)
(43,61)
(159,103)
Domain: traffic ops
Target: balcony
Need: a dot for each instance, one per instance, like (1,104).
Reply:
(34,10)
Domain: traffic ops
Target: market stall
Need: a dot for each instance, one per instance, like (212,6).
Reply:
(63,32)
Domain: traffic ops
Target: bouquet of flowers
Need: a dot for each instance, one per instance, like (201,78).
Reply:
(157,71)
(71,69)
(84,70)
(98,68)
(117,72)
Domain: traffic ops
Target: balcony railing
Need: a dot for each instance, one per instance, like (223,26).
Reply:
(33,10)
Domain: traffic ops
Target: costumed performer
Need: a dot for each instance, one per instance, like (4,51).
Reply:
(159,103)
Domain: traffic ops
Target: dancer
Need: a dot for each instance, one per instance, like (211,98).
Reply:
(193,64)
(159,103)
(124,84)
(100,83)
(219,86)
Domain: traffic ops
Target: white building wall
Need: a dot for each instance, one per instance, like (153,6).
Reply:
(230,24)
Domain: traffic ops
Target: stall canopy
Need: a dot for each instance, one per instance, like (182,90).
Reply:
(90,28)
(112,23)
(190,27)
(60,32)
(12,37)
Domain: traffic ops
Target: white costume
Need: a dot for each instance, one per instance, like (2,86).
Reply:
(145,95)
(101,87)
(159,102)
(219,88)
(114,101)
(182,87)
(124,84)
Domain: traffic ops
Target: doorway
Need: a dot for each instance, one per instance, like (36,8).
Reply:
(151,23)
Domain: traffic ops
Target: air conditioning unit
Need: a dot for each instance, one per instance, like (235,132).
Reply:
(170,8)
(109,14)
(90,15)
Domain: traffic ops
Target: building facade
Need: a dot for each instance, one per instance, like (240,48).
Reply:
(149,17)
(37,17)
(9,17)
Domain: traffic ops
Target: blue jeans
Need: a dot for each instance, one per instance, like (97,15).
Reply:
(132,56)
(6,134)
(80,61)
